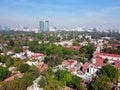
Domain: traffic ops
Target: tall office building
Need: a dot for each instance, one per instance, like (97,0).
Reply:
(46,26)
(41,26)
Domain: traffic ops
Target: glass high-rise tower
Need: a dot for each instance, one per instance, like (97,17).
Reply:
(41,26)
(46,25)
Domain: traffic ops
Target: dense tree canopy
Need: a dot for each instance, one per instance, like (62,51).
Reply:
(24,68)
(111,72)
(100,84)
(63,76)
(16,84)
(30,75)
(75,83)
(3,58)
(87,51)
(9,62)
(49,83)
(3,73)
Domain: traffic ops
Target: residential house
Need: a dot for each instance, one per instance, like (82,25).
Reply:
(42,67)
(18,74)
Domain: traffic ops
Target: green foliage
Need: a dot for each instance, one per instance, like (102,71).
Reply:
(76,43)
(111,72)
(31,75)
(115,50)
(28,77)
(105,61)
(34,70)
(53,60)
(3,73)
(3,58)
(75,83)
(17,63)
(99,84)
(52,38)
(67,51)
(17,50)
(49,83)
(49,71)
(24,68)
(50,49)
(42,82)
(105,78)
(11,43)
(52,84)
(16,84)
(81,60)
(63,76)
(9,62)
(87,51)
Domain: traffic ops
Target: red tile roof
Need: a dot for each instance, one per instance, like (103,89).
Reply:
(76,47)
(18,74)
(86,65)
(99,61)
(42,66)
(37,55)
(72,47)
(69,62)
(117,65)
(107,54)
(115,45)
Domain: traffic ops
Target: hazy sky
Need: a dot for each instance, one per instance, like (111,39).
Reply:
(61,13)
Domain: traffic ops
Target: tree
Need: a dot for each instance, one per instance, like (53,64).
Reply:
(9,62)
(105,61)
(110,72)
(81,60)
(17,50)
(34,70)
(83,50)
(29,77)
(75,83)
(3,59)
(17,63)
(76,43)
(88,51)
(63,76)
(53,60)
(24,68)
(16,84)
(12,43)
(42,82)
(49,71)
(52,84)
(105,78)
(100,84)
(3,73)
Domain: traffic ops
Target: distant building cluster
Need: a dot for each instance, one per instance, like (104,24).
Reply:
(44,26)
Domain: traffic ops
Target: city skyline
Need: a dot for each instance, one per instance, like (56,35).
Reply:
(61,13)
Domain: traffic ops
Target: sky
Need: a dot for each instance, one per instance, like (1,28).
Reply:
(102,14)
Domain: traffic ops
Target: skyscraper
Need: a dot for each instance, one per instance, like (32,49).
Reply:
(41,26)
(46,26)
